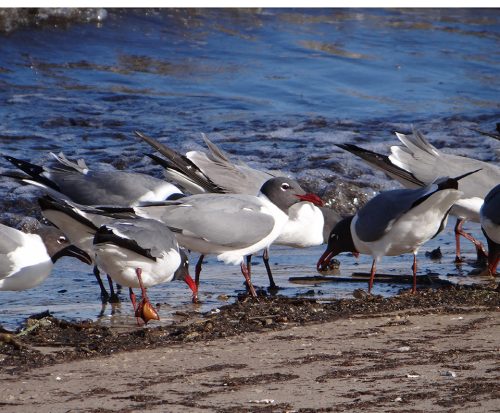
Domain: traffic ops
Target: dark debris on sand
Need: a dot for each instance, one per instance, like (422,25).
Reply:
(45,340)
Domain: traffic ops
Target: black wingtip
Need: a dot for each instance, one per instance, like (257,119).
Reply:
(347,146)
(467,174)
(452,183)
(35,171)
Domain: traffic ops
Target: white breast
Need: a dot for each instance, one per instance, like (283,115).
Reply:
(304,227)
(29,265)
(121,265)
(160,193)
(410,231)
(468,208)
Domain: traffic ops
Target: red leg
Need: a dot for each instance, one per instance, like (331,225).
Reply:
(244,271)
(197,271)
(138,271)
(372,276)
(134,303)
(493,262)
(414,268)
(144,310)
(493,267)
(481,252)
(132,298)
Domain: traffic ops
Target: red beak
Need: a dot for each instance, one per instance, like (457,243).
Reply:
(324,260)
(192,285)
(315,199)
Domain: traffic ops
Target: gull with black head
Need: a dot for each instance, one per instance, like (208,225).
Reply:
(393,223)
(418,163)
(308,224)
(140,253)
(230,226)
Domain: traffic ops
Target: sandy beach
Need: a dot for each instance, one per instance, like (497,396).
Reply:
(418,358)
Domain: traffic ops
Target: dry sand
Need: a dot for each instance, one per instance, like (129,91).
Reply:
(402,361)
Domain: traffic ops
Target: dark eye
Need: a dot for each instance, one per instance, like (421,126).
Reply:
(61,239)
(285,186)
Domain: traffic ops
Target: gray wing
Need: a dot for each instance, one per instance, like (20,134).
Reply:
(491,206)
(229,220)
(379,214)
(10,239)
(147,233)
(236,179)
(105,188)
(427,164)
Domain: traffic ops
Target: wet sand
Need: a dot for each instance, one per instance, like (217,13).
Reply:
(436,351)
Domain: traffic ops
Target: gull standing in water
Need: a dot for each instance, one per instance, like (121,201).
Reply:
(230,226)
(393,223)
(418,163)
(139,253)
(309,223)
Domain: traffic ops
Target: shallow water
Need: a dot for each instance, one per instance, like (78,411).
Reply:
(71,292)
(275,88)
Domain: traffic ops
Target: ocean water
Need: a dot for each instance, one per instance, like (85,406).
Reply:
(275,88)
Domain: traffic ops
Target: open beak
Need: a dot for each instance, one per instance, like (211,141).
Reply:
(324,261)
(72,251)
(315,199)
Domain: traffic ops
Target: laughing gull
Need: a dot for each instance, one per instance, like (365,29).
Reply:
(138,253)
(86,187)
(26,260)
(418,163)
(393,223)
(80,228)
(308,223)
(229,225)
(490,224)
(200,172)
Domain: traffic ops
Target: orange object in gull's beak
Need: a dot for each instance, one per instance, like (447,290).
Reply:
(315,199)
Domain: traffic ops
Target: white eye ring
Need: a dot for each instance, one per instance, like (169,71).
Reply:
(285,186)
(61,239)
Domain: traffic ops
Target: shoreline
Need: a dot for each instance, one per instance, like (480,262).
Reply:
(435,351)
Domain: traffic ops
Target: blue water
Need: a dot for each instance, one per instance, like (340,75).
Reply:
(274,87)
